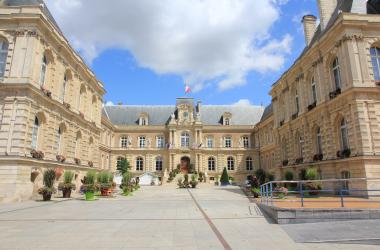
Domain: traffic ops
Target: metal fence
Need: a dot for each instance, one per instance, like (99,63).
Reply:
(354,192)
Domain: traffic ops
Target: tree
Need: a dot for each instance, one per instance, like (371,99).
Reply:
(123,166)
(261,175)
(225,179)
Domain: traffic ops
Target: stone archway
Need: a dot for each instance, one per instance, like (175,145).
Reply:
(185,164)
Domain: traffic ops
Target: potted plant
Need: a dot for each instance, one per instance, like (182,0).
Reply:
(105,180)
(216,181)
(66,186)
(77,161)
(48,189)
(60,158)
(261,175)
(194,181)
(312,188)
(89,186)
(126,184)
(90,164)
(37,154)
(256,192)
(224,180)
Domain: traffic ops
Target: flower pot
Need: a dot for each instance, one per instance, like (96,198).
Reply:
(66,193)
(104,191)
(46,196)
(90,196)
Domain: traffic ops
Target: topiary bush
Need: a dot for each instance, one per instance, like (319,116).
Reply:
(225,180)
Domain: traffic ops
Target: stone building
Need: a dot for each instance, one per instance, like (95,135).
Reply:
(325,109)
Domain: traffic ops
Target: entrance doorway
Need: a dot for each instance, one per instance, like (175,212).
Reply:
(185,164)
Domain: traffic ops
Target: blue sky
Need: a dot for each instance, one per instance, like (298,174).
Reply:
(133,77)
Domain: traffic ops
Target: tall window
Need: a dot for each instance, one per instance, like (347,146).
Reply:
(211,164)
(43,70)
(319,141)
(159,163)
(245,141)
(80,96)
(59,140)
(35,130)
(300,146)
(344,135)
(139,164)
(230,163)
(297,102)
(124,141)
(160,142)
(185,140)
(313,90)
(210,142)
(227,142)
(3,56)
(375,57)
(336,73)
(142,142)
(63,90)
(77,145)
(249,163)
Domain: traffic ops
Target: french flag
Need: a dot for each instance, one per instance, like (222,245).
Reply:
(187,89)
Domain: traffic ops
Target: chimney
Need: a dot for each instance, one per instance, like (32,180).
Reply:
(309,27)
(326,9)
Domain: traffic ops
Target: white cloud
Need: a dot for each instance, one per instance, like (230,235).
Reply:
(109,103)
(204,41)
(242,103)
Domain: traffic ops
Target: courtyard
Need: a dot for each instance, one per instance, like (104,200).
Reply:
(164,217)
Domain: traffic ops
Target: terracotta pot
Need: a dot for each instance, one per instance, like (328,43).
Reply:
(46,196)
(104,191)
(66,193)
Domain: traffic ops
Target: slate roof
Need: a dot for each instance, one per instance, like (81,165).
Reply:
(160,115)
(346,6)
(32,3)
(268,111)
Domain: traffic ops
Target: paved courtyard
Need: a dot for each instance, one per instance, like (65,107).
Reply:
(169,218)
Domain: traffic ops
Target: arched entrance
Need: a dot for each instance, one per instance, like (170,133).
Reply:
(185,164)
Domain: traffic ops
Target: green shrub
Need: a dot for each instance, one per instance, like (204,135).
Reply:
(256,192)
(225,180)
(261,175)
(311,174)
(270,177)
(123,166)
(49,178)
(289,175)
(89,181)
(68,177)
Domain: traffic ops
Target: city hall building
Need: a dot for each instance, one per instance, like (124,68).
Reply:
(325,109)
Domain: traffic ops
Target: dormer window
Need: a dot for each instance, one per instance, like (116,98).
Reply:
(226,119)
(143,120)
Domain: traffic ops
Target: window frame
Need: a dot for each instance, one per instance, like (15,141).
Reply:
(142,141)
(314,90)
(211,164)
(230,163)
(375,61)
(337,75)
(185,139)
(160,141)
(210,141)
(124,141)
(319,141)
(35,133)
(246,142)
(343,132)
(159,163)
(44,67)
(228,141)
(4,50)
(139,164)
(249,163)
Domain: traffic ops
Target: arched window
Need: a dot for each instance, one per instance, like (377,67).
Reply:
(124,141)
(35,132)
(159,163)
(119,161)
(230,163)
(211,164)
(3,56)
(344,135)
(336,73)
(249,163)
(375,58)
(319,141)
(313,90)
(297,102)
(139,164)
(64,86)
(185,140)
(43,71)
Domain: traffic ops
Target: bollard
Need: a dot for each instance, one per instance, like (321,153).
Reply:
(301,192)
(341,198)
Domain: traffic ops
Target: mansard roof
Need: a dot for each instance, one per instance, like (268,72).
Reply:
(268,112)
(160,115)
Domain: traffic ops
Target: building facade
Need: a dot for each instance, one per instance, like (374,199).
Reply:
(325,109)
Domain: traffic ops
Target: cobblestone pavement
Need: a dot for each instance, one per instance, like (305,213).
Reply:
(159,218)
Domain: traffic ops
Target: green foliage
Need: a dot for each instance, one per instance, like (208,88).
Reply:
(311,174)
(68,177)
(225,180)
(261,175)
(194,181)
(217,180)
(49,178)
(104,177)
(289,175)
(256,192)
(123,166)
(270,177)
(303,174)
(90,177)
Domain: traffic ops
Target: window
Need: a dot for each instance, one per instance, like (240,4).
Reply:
(300,146)
(139,164)
(43,71)
(185,140)
(119,161)
(319,141)
(3,56)
(160,142)
(226,121)
(159,163)
(124,141)
(210,142)
(297,102)
(336,74)
(375,58)
(211,164)
(59,140)
(35,130)
(63,90)
(80,96)
(249,163)
(313,90)
(143,121)
(344,135)
(227,142)
(142,142)
(245,141)
(230,163)
(77,144)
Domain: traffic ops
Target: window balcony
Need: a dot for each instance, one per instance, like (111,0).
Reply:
(318,157)
(335,93)
(282,123)
(311,106)
(346,153)
(295,116)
